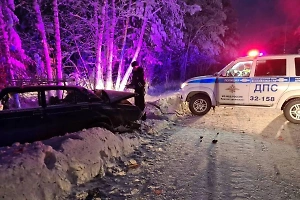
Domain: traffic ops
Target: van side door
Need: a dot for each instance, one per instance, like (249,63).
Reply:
(233,85)
(270,81)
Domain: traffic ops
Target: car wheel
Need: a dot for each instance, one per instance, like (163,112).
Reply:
(199,104)
(292,111)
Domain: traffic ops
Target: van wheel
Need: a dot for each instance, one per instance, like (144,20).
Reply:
(199,104)
(292,111)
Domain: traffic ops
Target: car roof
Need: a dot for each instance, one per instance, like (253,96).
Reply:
(38,87)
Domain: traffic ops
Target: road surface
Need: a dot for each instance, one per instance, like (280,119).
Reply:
(228,154)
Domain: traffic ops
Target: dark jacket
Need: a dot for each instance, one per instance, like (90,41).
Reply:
(138,81)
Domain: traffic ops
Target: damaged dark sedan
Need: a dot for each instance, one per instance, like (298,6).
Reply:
(33,113)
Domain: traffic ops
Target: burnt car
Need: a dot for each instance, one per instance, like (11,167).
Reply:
(33,113)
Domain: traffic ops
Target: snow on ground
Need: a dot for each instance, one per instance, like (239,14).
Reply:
(50,169)
(53,169)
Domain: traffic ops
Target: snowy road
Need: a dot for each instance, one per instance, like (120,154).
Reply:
(238,166)
(253,158)
(244,163)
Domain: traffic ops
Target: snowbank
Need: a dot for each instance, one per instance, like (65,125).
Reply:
(51,168)
(169,106)
(48,170)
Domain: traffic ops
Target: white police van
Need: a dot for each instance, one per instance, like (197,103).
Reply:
(260,81)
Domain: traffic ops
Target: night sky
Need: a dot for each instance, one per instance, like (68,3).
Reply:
(259,20)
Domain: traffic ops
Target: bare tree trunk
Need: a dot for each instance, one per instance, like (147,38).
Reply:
(109,82)
(184,65)
(120,69)
(99,82)
(138,49)
(41,28)
(59,73)
(5,45)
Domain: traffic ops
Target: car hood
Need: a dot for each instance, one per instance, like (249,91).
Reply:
(202,79)
(117,96)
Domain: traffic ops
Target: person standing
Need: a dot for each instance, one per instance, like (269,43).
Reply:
(138,84)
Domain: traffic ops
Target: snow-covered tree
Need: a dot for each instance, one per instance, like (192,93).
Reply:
(231,37)
(18,59)
(165,18)
(203,36)
(95,41)
(6,64)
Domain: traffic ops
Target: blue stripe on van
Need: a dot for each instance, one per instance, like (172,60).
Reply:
(247,80)
(203,80)
(234,80)
(295,79)
(270,80)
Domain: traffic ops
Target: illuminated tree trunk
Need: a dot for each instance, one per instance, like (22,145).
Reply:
(120,69)
(57,41)
(59,74)
(5,46)
(99,82)
(137,51)
(41,28)
(109,82)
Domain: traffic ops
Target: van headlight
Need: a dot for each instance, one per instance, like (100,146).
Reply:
(183,85)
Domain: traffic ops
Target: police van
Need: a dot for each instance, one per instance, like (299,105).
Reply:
(259,81)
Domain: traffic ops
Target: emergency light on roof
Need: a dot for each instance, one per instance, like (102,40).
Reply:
(254,53)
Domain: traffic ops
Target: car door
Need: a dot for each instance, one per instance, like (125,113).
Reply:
(68,114)
(233,85)
(24,123)
(269,82)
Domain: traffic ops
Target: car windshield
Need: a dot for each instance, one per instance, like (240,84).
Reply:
(90,94)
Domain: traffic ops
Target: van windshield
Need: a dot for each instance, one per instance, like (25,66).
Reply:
(222,72)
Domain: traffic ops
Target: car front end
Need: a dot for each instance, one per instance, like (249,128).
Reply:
(200,84)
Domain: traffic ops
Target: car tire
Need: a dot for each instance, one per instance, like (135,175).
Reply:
(291,111)
(199,104)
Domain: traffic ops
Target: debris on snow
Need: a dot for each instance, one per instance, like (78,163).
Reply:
(214,141)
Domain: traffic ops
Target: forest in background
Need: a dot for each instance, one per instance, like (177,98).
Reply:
(94,41)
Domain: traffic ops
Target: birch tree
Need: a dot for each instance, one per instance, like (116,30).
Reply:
(139,44)
(59,72)
(110,45)
(99,23)
(41,29)
(121,60)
